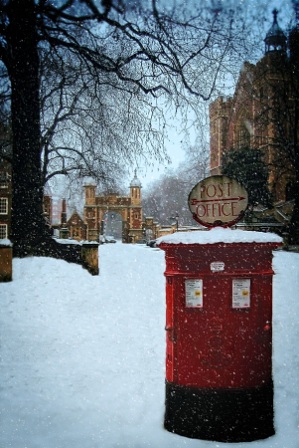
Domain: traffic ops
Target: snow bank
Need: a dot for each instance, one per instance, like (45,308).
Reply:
(82,358)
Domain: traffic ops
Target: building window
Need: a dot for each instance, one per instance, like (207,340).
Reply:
(3,231)
(3,206)
(243,136)
(3,180)
(90,193)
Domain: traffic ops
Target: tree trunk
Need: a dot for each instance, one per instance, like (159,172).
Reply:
(294,224)
(28,223)
(293,227)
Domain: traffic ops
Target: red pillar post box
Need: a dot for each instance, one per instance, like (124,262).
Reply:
(219,337)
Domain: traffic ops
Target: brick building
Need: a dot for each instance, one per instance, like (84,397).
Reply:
(76,227)
(260,114)
(129,208)
(5,200)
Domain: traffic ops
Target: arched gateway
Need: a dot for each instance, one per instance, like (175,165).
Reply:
(128,207)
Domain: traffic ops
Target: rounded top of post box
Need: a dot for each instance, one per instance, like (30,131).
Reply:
(219,235)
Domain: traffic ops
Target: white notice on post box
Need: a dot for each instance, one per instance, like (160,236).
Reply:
(193,290)
(217,266)
(241,293)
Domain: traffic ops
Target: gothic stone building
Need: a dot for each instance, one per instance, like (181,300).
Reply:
(262,112)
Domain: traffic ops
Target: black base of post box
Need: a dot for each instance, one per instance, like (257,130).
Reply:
(222,415)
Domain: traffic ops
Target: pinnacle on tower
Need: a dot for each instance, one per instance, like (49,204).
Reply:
(275,39)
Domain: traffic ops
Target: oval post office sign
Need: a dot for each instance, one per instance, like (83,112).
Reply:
(218,201)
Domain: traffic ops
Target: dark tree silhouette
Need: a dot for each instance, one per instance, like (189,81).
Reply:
(247,166)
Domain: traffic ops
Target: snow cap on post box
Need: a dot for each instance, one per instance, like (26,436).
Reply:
(218,201)
(220,235)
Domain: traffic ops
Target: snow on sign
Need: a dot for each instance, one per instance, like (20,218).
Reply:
(218,201)
(193,290)
(241,293)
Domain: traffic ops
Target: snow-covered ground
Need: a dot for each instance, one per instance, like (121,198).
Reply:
(82,357)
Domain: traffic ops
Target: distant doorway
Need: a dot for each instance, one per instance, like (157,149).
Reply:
(113,225)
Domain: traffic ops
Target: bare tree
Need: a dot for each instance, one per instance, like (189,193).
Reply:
(151,53)
(91,128)
(168,196)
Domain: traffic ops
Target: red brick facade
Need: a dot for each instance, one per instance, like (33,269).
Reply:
(256,115)
(5,200)
(128,207)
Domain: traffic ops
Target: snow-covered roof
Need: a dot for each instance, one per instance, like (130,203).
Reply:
(219,235)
